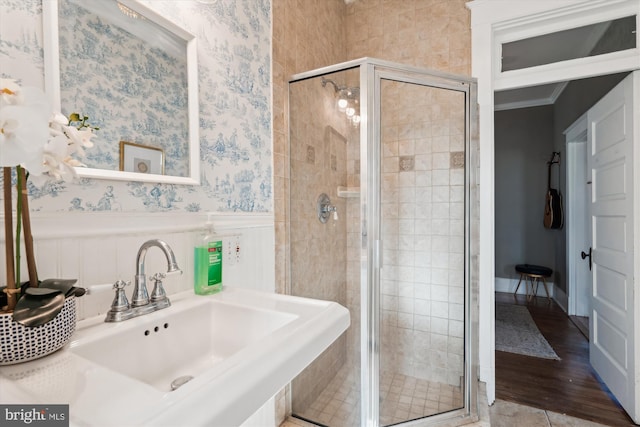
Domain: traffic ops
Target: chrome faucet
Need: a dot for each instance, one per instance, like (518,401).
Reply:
(140,294)
(141,303)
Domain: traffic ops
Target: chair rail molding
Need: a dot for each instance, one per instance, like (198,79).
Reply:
(57,225)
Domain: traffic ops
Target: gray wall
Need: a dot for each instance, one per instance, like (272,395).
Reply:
(575,100)
(523,145)
(524,140)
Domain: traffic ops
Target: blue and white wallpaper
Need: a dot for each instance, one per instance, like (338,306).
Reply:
(234,61)
(131,89)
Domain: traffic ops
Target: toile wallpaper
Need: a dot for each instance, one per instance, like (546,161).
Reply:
(234,67)
(133,91)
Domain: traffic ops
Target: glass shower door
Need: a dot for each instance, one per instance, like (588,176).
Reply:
(324,160)
(398,253)
(422,225)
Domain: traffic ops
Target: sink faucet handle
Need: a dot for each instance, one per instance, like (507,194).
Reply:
(120,302)
(120,284)
(158,293)
(158,276)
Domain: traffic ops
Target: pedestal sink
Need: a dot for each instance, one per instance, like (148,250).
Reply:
(188,340)
(225,354)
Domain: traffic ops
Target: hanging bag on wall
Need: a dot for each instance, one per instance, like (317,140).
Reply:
(553,215)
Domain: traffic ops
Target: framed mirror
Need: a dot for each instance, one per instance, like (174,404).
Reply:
(134,74)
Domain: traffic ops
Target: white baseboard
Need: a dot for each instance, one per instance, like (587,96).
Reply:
(504,284)
(561,298)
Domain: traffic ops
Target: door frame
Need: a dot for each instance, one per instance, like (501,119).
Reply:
(574,223)
(491,22)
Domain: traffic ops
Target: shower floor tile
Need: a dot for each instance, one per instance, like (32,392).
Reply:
(402,398)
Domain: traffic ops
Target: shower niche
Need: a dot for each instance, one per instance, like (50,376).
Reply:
(394,149)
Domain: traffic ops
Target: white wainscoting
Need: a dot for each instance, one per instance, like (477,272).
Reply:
(100,248)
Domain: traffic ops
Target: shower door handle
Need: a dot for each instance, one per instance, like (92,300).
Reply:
(378,253)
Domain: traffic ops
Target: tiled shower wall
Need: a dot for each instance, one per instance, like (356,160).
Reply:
(422,282)
(306,35)
(433,34)
(318,250)
(312,34)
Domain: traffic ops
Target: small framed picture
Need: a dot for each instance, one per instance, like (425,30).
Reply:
(141,158)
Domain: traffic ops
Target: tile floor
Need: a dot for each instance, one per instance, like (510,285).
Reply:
(407,398)
(403,398)
(508,414)
(502,414)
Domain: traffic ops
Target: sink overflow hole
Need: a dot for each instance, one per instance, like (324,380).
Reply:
(180,381)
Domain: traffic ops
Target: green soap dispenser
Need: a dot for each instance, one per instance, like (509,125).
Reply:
(207,257)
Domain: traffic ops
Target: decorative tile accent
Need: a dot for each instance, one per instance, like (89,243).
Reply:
(407,163)
(457,160)
(311,154)
(334,163)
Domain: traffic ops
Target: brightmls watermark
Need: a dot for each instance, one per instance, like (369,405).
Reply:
(34,415)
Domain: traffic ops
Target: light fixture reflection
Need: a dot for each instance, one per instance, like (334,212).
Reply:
(129,12)
(348,100)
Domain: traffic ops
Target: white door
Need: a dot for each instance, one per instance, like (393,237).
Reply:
(583,234)
(614,308)
(578,220)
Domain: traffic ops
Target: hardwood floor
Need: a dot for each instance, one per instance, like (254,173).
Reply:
(582,323)
(568,386)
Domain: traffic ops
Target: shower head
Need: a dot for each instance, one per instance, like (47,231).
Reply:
(348,100)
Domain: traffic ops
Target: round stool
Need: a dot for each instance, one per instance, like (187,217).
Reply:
(532,275)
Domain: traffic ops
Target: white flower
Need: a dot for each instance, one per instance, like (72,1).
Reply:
(9,90)
(78,139)
(57,162)
(32,137)
(22,129)
(57,123)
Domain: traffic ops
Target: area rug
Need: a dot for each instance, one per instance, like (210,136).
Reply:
(516,332)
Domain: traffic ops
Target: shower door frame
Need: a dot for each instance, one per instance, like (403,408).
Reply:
(372,72)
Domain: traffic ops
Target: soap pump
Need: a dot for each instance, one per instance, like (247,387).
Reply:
(207,258)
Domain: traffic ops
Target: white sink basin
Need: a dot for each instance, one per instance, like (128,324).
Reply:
(240,346)
(186,341)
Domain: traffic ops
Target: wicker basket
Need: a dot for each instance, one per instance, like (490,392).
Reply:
(20,343)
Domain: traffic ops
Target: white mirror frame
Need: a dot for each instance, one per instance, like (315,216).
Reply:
(52,88)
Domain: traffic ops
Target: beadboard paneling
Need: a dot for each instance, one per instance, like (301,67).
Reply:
(102,248)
